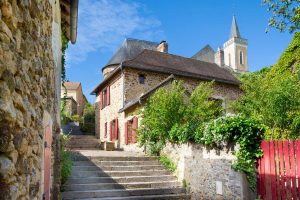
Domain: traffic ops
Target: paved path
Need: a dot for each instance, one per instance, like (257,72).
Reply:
(72,128)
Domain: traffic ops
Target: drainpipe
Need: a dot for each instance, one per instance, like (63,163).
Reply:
(74,19)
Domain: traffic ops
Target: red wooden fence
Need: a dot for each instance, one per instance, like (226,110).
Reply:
(279,170)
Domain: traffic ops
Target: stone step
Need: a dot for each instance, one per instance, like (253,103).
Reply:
(123,158)
(114,163)
(181,196)
(110,186)
(127,179)
(99,173)
(118,168)
(121,193)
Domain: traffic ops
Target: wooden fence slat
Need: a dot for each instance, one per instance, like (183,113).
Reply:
(263,188)
(298,164)
(272,170)
(293,169)
(282,175)
(287,169)
(259,174)
(277,171)
(268,172)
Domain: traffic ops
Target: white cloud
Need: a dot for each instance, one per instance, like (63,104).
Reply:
(103,24)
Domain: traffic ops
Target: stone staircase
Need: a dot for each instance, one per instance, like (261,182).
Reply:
(88,142)
(121,177)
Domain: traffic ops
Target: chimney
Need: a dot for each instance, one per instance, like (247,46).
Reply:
(219,57)
(163,47)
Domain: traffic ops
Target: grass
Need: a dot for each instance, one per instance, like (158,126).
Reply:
(66,161)
(165,161)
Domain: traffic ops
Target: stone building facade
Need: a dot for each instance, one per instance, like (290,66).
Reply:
(30,68)
(72,91)
(135,77)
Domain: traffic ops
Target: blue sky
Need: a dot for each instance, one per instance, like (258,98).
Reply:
(187,26)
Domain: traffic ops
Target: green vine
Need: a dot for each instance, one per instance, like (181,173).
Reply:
(64,46)
(236,129)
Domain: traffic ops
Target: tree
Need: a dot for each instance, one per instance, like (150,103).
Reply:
(285,14)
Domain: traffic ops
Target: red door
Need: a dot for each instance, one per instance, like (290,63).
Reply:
(47,162)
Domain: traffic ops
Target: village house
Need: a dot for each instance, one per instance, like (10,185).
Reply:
(139,68)
(30,79)
(72,93)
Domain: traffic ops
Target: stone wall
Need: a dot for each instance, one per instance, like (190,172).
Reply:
(208,173)
(29,65)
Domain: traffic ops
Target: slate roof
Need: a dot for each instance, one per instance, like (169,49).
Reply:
(72,85)
(234,31)
(130,49)
(205,54)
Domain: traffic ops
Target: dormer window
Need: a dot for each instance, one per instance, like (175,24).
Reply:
(141,79)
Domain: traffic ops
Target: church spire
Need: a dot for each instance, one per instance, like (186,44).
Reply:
(234,31)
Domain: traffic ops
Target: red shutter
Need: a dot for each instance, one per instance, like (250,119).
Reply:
(108,95)
(126,133)
(110,130)
(101,100)
(135,126)
(116,129)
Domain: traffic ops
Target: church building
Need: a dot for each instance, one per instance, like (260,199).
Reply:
(139,68)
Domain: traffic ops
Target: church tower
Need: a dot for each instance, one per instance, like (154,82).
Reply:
(235,50)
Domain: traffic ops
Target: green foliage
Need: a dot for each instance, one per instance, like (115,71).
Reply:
(165,161)
(76,118)
(88,123)
(285,14)
(273,95)
(236,129)
(171,115)
(164,109)
(66,161)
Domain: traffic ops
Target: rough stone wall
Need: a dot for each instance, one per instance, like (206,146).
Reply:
(110,112)
(28,71)
(80,101)
(208,174)
(132,87)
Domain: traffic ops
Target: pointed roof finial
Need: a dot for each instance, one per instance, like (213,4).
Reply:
(234,31)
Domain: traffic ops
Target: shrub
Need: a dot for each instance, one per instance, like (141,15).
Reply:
(66,161)
(88,123)
(76,118)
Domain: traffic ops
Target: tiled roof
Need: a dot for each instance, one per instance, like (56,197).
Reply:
(172,64)
(72,85)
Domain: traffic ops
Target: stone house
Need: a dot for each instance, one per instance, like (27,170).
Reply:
(140,67)
(75,99)
(30,71)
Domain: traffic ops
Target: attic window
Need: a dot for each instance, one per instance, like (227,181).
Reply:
(141,79)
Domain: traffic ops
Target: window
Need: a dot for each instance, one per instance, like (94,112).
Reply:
(105,130)
(241,58)
(141,79)
(229,59)
(105,97)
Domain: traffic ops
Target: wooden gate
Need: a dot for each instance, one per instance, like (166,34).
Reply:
(47,162)
(279,170)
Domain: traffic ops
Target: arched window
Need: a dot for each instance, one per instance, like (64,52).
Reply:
(229,59)
(241,58)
